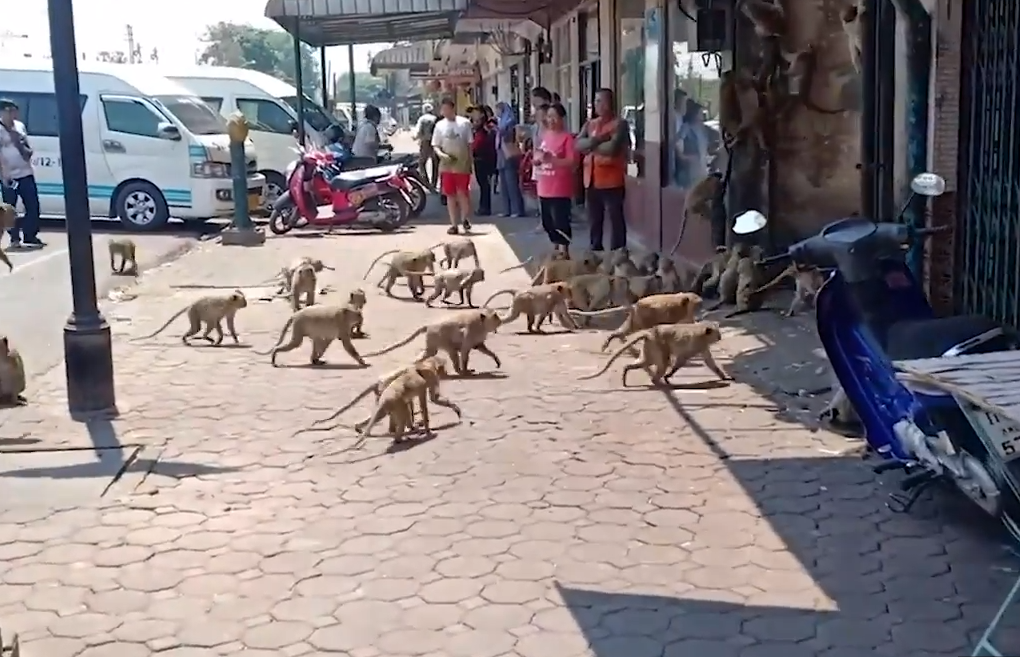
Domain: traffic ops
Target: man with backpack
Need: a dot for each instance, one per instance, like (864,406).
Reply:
(428,161)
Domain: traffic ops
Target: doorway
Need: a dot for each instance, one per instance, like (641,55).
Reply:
(590,73)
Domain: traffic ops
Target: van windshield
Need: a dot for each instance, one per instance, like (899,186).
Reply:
(315,116)
(197,117)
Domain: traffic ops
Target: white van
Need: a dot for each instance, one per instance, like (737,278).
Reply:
(152,148)
(269,105)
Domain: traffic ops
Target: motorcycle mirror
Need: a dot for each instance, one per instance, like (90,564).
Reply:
(749,222)
(928,184)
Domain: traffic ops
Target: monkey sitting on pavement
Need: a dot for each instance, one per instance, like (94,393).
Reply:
(125,248)
(555,270)
(456,336)
(668,347)
(807,281)
(323,324)
(12,375)
(437,363)
(421,383)
(652,311)
(212,311)
(460,281)
(707,281)
(538,302)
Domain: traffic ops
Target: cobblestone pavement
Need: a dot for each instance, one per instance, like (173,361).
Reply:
(560,519)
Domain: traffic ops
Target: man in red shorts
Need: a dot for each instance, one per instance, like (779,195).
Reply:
(451,140)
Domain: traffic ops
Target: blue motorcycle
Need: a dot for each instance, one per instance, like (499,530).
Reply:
(871,312)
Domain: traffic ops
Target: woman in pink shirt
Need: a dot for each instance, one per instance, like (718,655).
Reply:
(555,163)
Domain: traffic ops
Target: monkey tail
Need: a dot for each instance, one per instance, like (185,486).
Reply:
(601,313)
(398,345)
(639,337)
(376,261)
(789,271)
(622,332)
(340,411)
(538,277)
(509,290)
(279,341)
(519,265)
(372,421)
(163,328)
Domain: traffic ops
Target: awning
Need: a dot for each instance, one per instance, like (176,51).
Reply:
(409,57)
(543,12)
(343,22)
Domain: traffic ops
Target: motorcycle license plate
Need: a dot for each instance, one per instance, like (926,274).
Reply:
(1003,432)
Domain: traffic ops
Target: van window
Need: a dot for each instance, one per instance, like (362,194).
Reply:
(314,115)
(213,102)
(196,116)
(131,118)
(265,115)
(38,112)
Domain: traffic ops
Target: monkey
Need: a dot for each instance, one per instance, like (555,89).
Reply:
(729,278)
(286,273)
(706,281)
(747,297)
(594,291)
(670,281)
(800,82)
(12,375)
(648,264)
(702,197)
(461,281)
(125,248)
(420,383)
(679,308)
(539,302)
(851,19)
(457,336)
(456,250)
(356,300)
(625,267)
(640,287)
(212,311)
(406,261)
(323,324)
(768,17)
(303,282)
(807,281)
(435,362)
(557,270)
(741,113)
(666,348)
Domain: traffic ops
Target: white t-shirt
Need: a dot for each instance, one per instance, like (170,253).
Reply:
(366,140)
(12,164)
(454,131)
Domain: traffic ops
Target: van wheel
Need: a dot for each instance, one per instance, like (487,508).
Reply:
(141,207)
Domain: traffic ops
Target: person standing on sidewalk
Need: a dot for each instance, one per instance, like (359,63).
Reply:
(451,140)
(17,176)
(508,161)
(605,142)
(483,152)
(422,133)
(555,164)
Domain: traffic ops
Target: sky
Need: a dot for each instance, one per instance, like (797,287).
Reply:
(176,32)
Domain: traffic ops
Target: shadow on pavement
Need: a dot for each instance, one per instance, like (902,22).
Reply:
(175,469)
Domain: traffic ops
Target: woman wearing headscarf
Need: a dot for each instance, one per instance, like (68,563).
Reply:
(508,160)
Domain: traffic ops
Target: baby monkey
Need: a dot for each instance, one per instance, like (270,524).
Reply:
(126,250)
(303,281)
(539,302)
(12,375)
(807,281)
(460,281)
(668,347)
(211,311)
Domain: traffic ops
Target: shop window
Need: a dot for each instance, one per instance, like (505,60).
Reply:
(692,122)
(631,93)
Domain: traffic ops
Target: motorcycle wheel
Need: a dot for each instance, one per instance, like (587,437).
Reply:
(281,221)
(417,197)
(394,208)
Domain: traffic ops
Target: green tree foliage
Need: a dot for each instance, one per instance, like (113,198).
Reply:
(366,87)
(269,51)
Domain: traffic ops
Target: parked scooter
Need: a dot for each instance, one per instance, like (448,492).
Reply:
(870,312)
(320,193)
(415,191)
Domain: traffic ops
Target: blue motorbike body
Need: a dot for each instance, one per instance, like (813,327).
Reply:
(853,341)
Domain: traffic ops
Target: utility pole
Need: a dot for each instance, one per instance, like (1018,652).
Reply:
(131,44)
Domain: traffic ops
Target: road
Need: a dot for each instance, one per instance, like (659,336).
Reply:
(36,296)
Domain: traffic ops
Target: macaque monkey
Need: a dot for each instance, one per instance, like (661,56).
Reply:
(406,264)
(211,311)
(455,281)
(12,375)
(538,302)
(456,250)
(323,324)
(741,113)
(456,337)
(418,383)
(303,282)
(125,248)
(679,308)
(807,280)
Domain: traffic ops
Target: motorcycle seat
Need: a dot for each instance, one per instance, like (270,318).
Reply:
(351,179)
(931,338)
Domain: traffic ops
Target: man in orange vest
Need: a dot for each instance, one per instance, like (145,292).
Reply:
(605,143)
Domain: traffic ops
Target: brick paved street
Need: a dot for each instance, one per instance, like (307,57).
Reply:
(562,518)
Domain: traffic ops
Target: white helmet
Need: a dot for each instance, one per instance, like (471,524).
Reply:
(427,107)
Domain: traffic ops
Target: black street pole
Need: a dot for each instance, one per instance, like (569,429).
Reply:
(299,82)
(322,74)
(88,349)
(353,81)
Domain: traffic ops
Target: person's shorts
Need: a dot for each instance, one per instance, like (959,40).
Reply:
(454,184)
